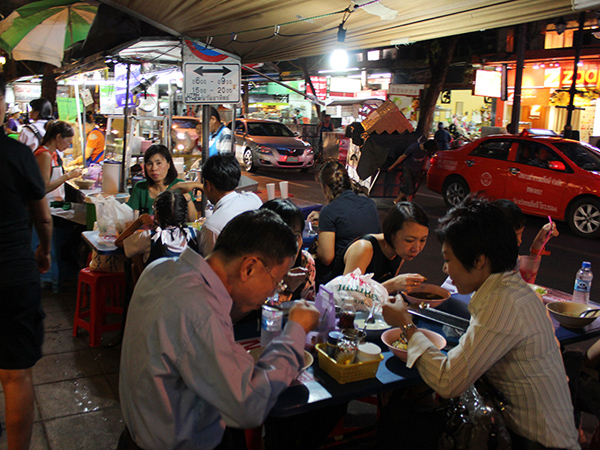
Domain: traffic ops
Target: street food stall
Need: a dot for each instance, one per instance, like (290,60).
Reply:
(344,112)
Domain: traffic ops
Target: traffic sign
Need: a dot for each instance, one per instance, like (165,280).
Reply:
(208,83)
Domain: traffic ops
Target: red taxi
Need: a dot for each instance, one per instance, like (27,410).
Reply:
(543,175)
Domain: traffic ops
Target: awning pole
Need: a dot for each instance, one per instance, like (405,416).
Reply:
(125,121)
(79,121)
(307,97)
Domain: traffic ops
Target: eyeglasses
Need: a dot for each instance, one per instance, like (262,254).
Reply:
(279,287)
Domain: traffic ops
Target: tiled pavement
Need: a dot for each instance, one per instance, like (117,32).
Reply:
(76,387)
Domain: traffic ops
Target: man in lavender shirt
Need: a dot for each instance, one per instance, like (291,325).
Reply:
(183,377)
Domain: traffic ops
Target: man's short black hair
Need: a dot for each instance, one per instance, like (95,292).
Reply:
(261,232)
(43,107)
(430,146)
(289,212)
(214,113)
(512,211)
(477,227)
(223,171)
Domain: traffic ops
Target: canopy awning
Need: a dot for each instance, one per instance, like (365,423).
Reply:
(268,30)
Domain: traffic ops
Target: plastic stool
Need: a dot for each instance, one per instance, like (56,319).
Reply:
(93,291)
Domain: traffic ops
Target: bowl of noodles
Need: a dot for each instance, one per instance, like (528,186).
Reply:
(394,339)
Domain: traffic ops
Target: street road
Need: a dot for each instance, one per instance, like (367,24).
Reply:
(556,270)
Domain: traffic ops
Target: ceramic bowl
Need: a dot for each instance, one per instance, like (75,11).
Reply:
(566,314)
(83,184)
(393,334)
(420,294)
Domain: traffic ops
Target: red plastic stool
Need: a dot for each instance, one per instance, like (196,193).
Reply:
(93,291)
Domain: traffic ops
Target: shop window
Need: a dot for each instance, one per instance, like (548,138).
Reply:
(555,40)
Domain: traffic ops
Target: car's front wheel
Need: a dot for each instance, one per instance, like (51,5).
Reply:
(249,161)
(455,190)
(584,218)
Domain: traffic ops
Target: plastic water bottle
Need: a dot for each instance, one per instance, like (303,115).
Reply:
(583,283)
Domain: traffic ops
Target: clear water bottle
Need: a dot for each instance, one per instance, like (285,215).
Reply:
(583,283)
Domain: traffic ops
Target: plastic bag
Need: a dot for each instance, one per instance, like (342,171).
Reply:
(362,288)
(112,217)
(475,420)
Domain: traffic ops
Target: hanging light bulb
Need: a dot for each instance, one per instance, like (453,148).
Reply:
(339,58)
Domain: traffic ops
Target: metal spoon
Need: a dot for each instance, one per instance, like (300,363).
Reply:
(588,312)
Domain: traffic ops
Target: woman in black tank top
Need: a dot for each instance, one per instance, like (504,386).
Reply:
(405,231)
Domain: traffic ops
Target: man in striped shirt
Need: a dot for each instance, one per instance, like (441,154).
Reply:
(510,339)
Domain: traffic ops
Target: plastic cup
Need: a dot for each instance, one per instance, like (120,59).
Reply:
(271,191)
(271,323)
(283,187)
(528,267)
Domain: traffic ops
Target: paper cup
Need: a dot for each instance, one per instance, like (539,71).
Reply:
(271,191)
(283,187)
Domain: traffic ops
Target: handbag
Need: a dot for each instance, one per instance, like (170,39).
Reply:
(475,421)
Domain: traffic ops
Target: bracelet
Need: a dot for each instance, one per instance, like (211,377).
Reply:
(405,328)
(537,251)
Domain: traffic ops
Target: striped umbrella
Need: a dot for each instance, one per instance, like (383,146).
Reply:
(41,31)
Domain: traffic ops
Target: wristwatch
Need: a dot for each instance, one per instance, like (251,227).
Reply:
(405,328)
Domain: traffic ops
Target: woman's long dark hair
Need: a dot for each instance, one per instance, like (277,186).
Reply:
(164,151)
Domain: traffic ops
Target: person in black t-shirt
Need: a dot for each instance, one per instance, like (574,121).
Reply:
(21,316)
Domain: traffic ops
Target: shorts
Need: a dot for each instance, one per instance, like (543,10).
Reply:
(21,326)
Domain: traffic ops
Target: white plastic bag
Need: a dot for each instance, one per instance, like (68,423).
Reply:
(362,288)
(112,216)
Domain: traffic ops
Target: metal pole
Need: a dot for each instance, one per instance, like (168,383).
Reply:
(126,113)
(80,122)
(516,111)
(205,131)
(573,89)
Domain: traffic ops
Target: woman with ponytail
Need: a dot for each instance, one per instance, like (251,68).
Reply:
(345,217)
(58,137)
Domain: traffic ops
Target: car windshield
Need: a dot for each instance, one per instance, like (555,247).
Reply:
(587,158)
(268,129)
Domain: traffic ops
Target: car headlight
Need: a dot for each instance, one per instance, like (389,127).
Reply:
(309,151)
(180,135)
(264,150)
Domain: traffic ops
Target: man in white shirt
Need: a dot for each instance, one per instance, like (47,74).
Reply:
(32,134)
(221,174)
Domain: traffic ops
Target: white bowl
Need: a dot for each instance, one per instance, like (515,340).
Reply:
(424,290)
(390,336)
(308,358)
(566,314)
